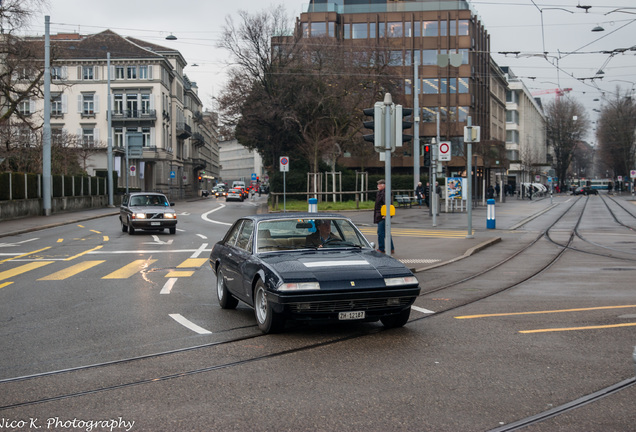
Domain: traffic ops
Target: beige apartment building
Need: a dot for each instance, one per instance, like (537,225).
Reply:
(152,102)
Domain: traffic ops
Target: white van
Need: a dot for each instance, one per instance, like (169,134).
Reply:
(237,183)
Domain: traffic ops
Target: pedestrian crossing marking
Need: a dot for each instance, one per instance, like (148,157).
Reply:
(192,262)
(180,273)
(71,271)
(23,269)
(130,269)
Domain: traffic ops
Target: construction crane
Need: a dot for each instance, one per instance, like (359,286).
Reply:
(559,92)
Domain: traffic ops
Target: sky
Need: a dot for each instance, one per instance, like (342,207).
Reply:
(560,28)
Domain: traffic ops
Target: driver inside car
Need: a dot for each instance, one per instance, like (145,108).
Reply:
(322,235)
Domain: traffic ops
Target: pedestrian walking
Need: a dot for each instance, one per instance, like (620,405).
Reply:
(419,193)
(380,200)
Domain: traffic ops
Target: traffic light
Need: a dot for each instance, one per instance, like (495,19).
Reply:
(427,155)
(377,124)
(401,124)
(200,178)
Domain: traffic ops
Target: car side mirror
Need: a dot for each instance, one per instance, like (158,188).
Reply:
(171,204)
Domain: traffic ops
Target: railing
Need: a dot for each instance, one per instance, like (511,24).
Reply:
(134,115)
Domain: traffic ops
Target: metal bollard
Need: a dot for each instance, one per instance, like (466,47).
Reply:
(490,214)
(313,205)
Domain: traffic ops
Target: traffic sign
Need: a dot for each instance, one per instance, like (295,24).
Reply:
(132,170)
(632,173)
(173,174)
(284,164)
(444,151)
(254,177)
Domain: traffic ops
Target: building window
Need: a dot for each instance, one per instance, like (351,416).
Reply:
(429,57)
(119,72)
(131,105)
(429,114)
(88,136)
(145,103)
(359,31)
(463,28)
(430,28)
(24,107)
(88,73)
(56,73)
(88,104)
(394,30)
(512,116)
(512,136)
(145,136)
(143,72)
(118,103)
(408,86)
(462,85)
(462,113)
(57,107)
(318,29)
(396,58)
(131,72)
(118,138)
(430,86)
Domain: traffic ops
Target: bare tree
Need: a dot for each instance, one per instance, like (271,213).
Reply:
(616,134)
(566,125)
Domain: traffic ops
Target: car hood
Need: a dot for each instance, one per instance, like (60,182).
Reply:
(153,209)
(358,268)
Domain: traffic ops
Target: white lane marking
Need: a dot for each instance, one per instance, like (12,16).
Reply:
(168,286)
(204,216)
(199,251)
(202,236)
(419,309)
(17,243)
(189,324)
(157,241)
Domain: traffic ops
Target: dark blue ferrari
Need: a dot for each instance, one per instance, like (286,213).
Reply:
(309,267)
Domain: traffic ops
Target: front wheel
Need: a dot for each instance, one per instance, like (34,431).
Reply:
(124,227)
(226,301)
(398,320)
(131,230)
(173,230)
(268,320)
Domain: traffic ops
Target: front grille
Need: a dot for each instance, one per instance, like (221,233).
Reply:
(348,305)
(154,215)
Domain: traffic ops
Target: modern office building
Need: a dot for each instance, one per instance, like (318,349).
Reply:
(155,109)
(457,77)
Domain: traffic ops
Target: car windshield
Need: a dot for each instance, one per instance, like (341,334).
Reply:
(292,234)
(148,200)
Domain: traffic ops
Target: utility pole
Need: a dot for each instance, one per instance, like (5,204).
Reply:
(46,133)
(388,102)
(416,125)
(109,153)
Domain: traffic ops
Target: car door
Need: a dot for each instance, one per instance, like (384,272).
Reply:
(123,209)
(236,256)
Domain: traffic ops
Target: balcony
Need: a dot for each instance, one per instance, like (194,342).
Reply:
(198,140)
(183,130)
(199,164)
(133,115)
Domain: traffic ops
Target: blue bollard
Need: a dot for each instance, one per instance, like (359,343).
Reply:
(313,205)
(490,214)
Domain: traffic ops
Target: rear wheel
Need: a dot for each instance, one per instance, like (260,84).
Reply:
(268,320)
(226,301)
(398,320)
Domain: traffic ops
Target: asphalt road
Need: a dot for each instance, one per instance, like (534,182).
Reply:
(88,294)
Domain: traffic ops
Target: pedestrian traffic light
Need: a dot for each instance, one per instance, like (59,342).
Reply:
(377,124)
(427,155)
(401,124)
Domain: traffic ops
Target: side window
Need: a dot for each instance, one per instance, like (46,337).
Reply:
(125,200)
(245,236)
(231,237)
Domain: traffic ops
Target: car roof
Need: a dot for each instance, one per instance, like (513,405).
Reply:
(293,215)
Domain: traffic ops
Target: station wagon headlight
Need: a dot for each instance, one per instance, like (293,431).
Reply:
(139,215)
(299,286)
(396,281)
(169,215)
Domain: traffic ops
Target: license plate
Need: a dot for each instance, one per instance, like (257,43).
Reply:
(351,315)
(155,223)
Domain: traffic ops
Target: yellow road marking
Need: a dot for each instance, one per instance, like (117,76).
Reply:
(26,254)
(192,262)
(96,232)
(579,328)
(130,269)
(71,271)
(106,238)
(82,253)
(60,240)
(180,273)
(81,226)
(544,312)
(5,284)
(23,269)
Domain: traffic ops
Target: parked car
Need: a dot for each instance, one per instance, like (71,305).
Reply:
(148,211)
(205,193)
(287,268)
(235,195)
